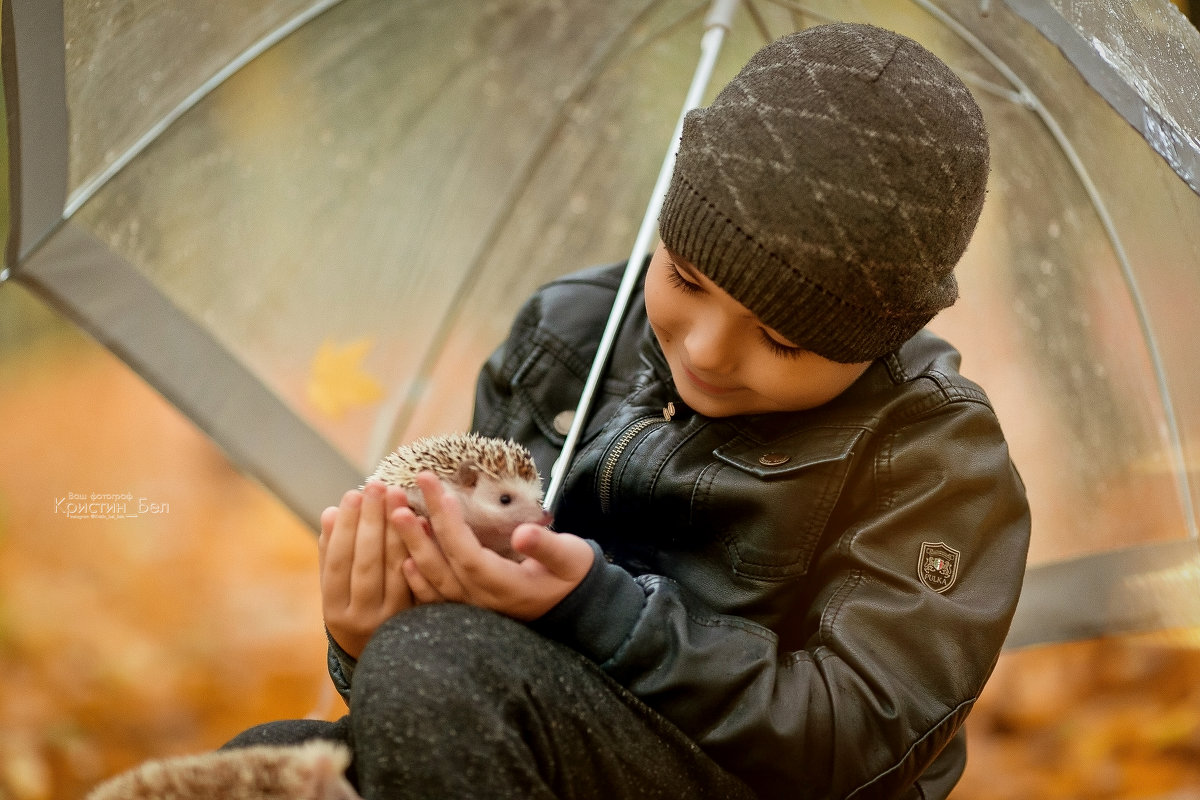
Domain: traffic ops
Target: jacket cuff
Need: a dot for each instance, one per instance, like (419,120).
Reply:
(341,667)
(599,614)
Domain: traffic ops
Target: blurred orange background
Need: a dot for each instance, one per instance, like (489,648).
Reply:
(160,633)
(194,613)
(170,630)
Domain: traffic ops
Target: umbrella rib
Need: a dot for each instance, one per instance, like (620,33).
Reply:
(85,192)
(694,12)
(1032,101)
(408,397)
(801,8)
(759,22)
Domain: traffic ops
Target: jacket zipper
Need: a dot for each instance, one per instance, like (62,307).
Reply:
(609,466)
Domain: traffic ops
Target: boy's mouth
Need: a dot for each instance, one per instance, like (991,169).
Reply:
(703,385)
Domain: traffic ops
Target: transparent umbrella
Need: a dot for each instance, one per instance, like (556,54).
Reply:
(308,223)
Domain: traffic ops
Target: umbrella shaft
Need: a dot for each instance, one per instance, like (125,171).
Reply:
(717,23)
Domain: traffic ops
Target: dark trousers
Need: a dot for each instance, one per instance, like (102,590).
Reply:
(450,701)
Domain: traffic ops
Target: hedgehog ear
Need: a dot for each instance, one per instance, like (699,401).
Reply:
(468,476)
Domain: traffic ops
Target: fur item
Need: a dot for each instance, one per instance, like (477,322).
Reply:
(311,771)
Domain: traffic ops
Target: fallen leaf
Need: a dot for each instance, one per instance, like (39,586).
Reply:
(337,381)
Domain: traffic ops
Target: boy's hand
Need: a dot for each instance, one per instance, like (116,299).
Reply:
(452,566)
(361,559)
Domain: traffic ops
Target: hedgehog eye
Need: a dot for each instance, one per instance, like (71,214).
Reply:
(505,499)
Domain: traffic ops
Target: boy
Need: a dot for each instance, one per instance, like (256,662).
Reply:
(792,539)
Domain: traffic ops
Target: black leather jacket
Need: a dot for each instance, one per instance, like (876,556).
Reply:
(816,598)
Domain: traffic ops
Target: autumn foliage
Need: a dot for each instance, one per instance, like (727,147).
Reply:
(168,630)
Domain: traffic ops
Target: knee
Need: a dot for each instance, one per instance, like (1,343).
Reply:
(436,648)
(443,634)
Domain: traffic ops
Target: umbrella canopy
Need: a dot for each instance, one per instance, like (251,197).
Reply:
(308,223)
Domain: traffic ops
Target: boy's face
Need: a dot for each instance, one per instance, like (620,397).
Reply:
(723,359)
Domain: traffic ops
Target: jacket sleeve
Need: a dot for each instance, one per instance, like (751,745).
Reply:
(880,668)
(341,667)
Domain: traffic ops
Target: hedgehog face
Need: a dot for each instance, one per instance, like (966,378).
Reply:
(494,508)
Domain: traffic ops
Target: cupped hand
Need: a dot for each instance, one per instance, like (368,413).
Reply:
(452,566)
(361,557)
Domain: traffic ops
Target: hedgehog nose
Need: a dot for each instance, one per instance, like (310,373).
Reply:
(547,518)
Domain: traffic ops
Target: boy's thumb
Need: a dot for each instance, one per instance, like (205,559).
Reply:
(562,554)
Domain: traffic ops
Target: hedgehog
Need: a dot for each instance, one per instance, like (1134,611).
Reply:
(311,771)
(496,481)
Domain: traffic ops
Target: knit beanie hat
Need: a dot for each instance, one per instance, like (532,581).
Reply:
(831,187)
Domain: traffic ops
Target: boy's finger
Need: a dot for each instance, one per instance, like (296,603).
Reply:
(338,552)
(339,549)
(372,521)
(420,546)
(366,573)
(436,568)
(394,499)
(472,571)
(328,518)
(422,590)
(561,554)
(453,534)
(396,553)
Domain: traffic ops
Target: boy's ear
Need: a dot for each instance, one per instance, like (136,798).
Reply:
(468,476)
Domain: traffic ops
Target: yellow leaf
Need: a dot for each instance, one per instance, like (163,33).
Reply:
(337,381)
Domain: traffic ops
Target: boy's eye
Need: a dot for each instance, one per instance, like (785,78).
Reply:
(780,349)
(678,281)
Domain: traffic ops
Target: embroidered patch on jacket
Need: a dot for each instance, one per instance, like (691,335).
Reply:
(938,566)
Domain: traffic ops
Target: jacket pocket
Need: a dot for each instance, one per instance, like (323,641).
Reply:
(773,500)
(547,385)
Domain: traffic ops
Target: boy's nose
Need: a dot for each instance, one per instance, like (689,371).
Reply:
(709,348)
